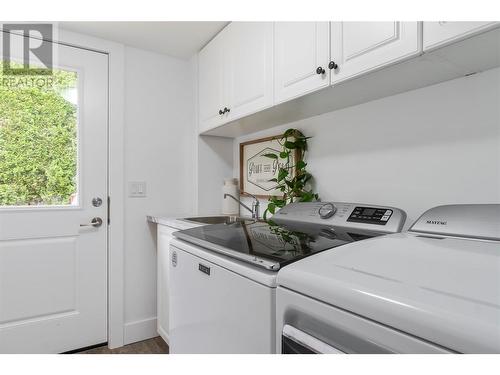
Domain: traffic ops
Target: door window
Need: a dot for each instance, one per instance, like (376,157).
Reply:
(39,139)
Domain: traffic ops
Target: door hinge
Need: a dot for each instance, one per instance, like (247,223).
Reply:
(109,210)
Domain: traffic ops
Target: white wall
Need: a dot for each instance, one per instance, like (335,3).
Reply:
(431,146)
(159,144)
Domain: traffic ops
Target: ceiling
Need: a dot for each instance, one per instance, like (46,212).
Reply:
(177,39)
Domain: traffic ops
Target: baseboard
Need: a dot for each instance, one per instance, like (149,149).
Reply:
(164,335)
(139,330)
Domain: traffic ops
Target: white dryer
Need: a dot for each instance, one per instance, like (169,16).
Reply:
(433,289)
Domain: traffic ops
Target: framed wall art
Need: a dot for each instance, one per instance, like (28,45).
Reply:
(256,169)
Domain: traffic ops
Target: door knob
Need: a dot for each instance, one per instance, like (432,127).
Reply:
(320,70)
(332,65)
(96,222)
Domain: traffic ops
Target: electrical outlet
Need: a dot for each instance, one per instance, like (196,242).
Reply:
(137,189)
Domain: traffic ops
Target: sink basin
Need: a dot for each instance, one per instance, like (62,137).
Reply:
(216,219)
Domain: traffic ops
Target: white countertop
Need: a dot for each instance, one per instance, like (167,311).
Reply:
(170,220)
(177,220)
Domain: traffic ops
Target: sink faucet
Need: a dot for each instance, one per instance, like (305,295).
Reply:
(255,205)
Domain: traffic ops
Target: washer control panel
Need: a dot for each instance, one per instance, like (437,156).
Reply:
(370,215)
(373,218)
(327,210)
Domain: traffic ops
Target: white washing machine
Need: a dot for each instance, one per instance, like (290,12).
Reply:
(433,289)
(223,276)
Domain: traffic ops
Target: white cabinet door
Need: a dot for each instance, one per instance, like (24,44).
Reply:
(164,238)
(249,61)
(360,47)
(438,34)
(300,49)
(212,83)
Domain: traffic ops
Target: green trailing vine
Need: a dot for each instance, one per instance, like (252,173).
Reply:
(294,186)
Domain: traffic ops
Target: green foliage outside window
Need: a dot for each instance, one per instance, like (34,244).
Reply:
(38,140)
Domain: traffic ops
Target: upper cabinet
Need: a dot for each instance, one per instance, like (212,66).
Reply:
(302,54)
(236,73)
(212,83)
(252,66)
(250,70)
(438,34)
(360,47)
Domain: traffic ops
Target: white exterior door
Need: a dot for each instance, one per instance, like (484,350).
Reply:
(249,67)
(53,262)
(300,49)
(360,47)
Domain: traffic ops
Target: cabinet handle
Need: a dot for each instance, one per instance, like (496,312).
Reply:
(226,110)
(221,112)
(320,70)
(332,65)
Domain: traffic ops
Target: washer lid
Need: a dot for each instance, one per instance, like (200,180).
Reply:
(461,220)
(444,290)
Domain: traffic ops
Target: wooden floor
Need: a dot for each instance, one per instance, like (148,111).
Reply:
(151,346)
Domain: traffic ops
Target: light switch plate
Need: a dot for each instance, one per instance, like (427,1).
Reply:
(137,189)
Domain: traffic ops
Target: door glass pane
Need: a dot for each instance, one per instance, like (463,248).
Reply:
(38,139)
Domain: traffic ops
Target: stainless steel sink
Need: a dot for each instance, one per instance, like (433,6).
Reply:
(216,219)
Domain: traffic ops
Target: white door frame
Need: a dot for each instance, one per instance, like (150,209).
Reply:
(116,130)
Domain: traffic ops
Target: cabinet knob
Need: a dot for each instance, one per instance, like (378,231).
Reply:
(221,112)
(332,65)
(226,110)
(320,70)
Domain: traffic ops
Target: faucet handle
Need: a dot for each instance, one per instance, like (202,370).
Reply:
(255,209)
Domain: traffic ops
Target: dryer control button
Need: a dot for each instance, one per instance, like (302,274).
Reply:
(327,210)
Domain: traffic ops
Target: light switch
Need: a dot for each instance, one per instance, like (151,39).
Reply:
(137,189)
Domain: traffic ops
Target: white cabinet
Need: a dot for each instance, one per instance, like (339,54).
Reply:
(360,47)
(212,83)
(249,70)
(300,49)
(438,34)
(236,73)
(164,238)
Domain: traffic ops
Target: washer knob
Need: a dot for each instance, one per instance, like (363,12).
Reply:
(327,210)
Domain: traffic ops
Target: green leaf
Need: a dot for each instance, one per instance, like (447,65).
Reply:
(284,154)
(282,174)
(271,207)
(271,156)
(280,202)
(307,197)
(273,180)
(301,164)
(290,145)
(289,132)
